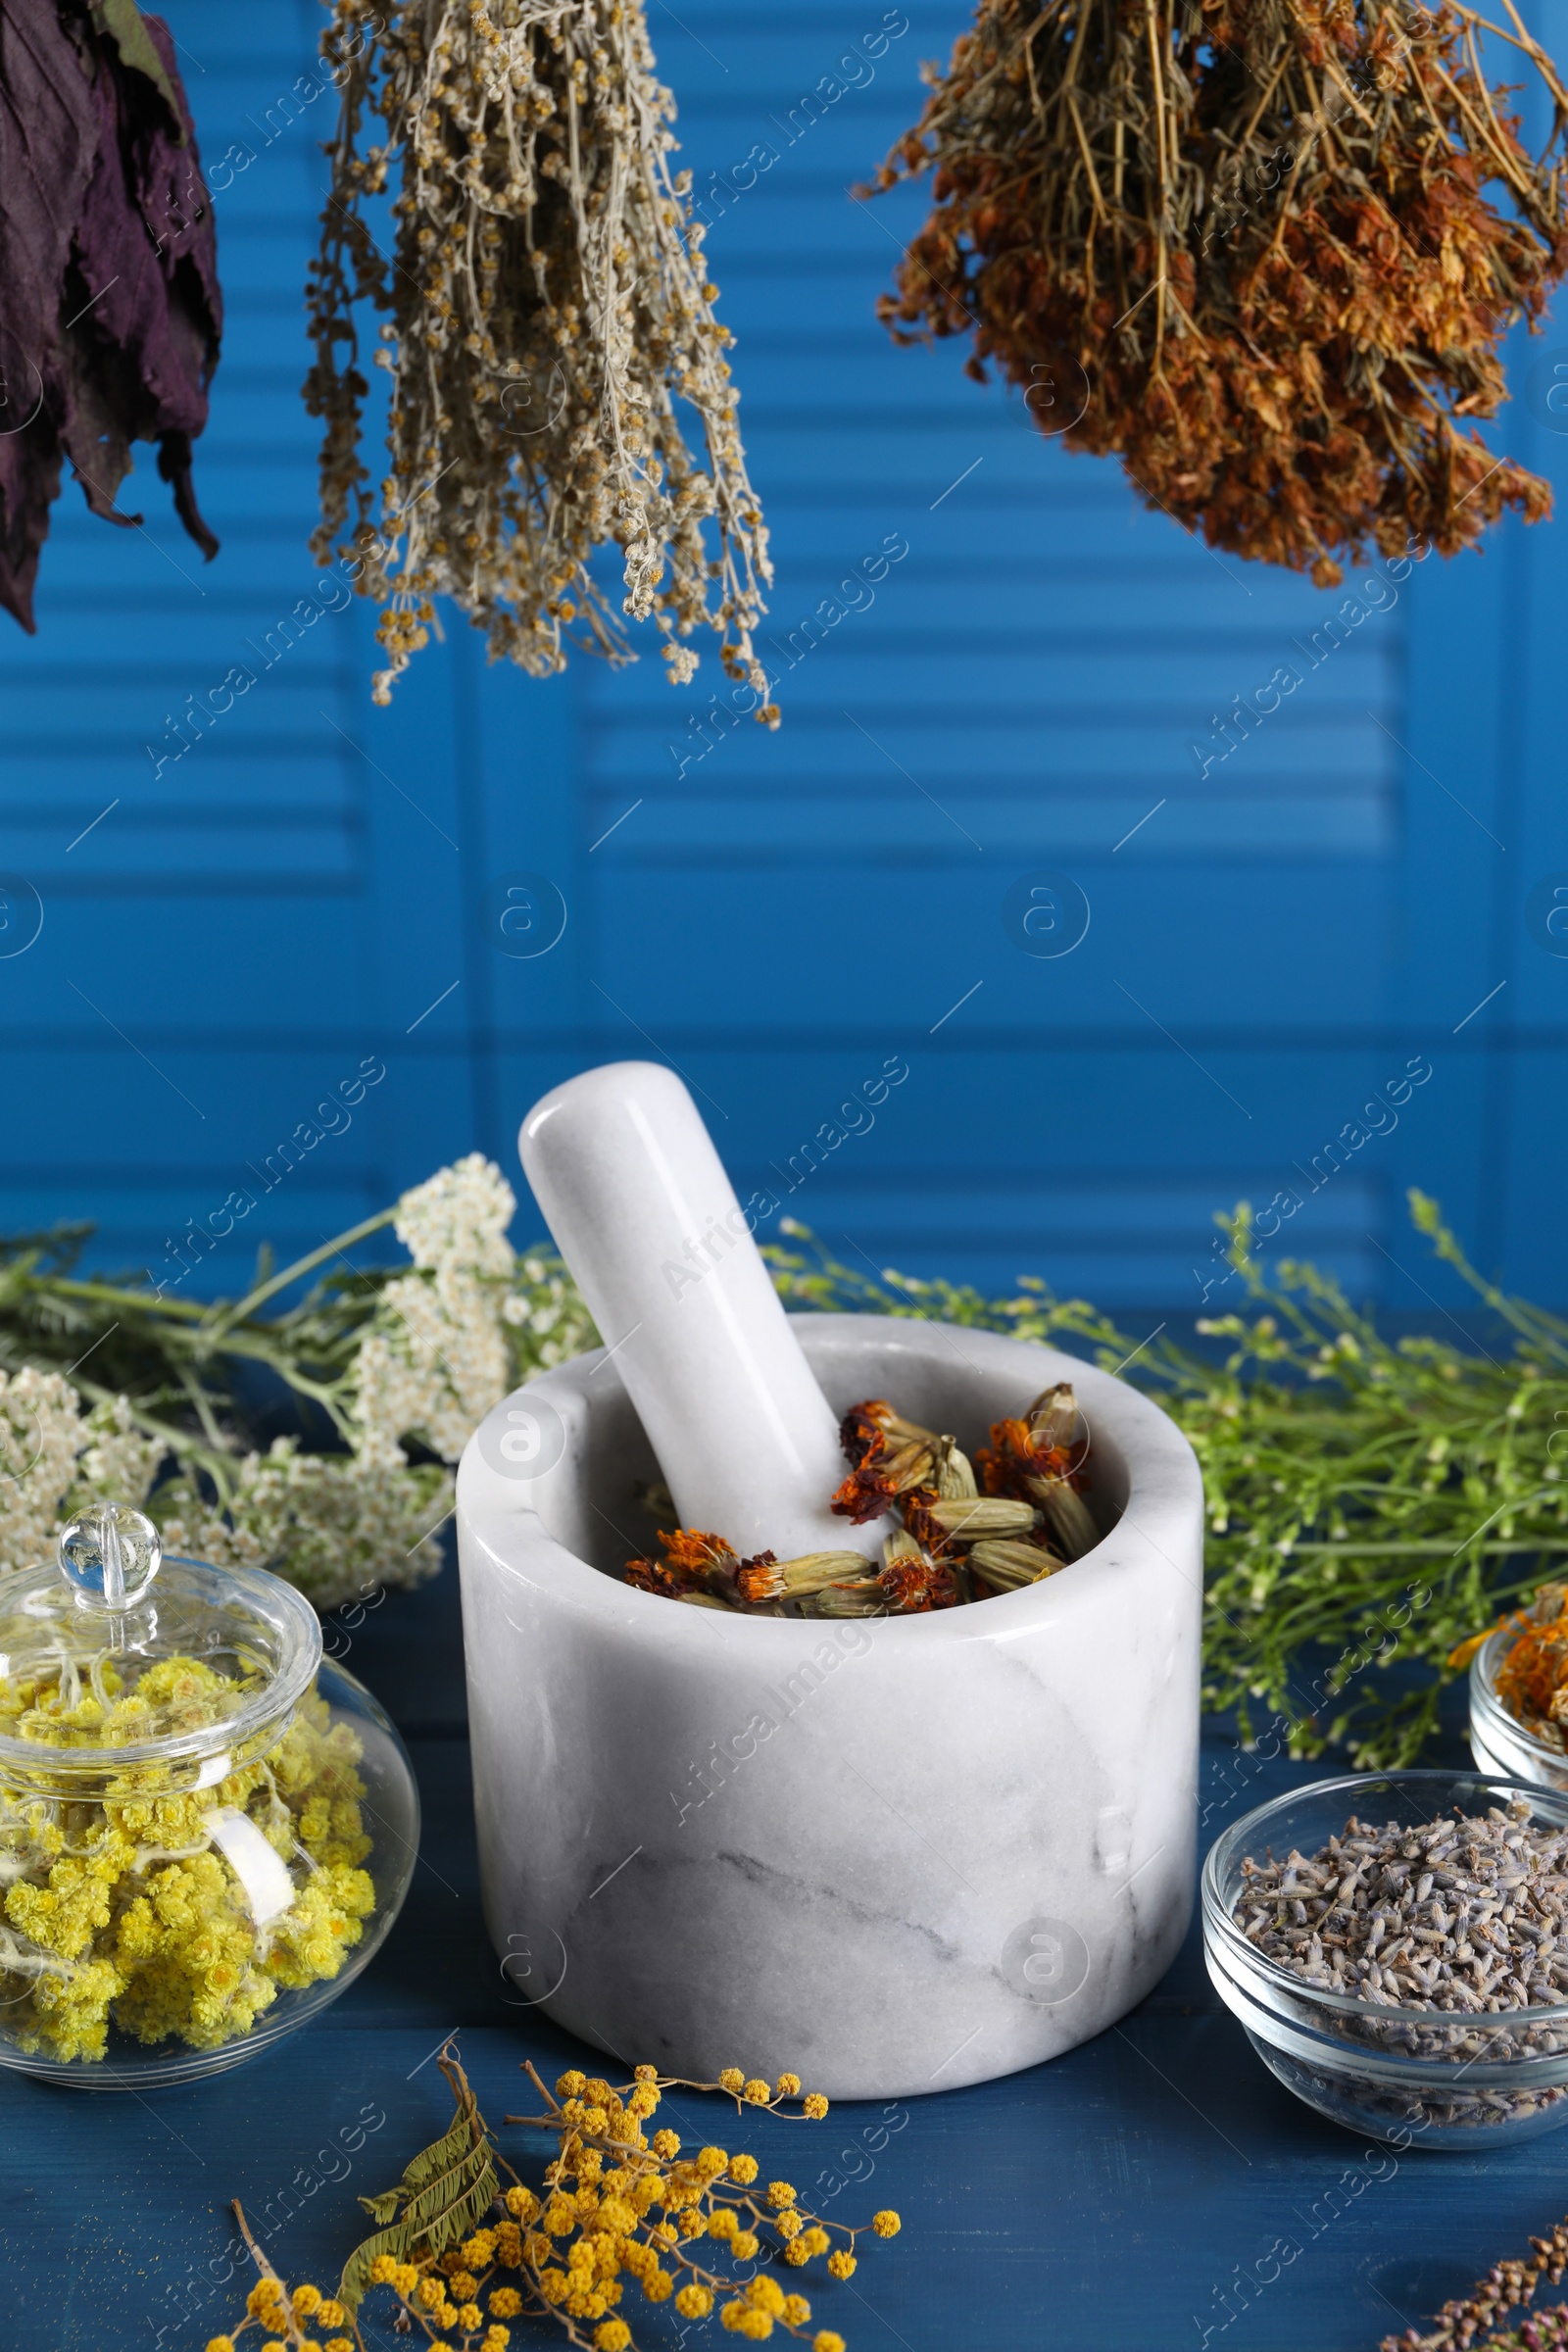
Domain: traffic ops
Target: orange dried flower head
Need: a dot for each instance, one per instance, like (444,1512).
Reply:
(758,1578)
(695,1561)
(1533,1676)
(1264,251)
(864,1495)
(863,1432)
(1003,1464)
(650,1575)
(1020,1452)
(912,1586)
(691,1553)
(868,1492)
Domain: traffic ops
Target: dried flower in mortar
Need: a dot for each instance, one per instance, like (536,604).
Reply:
(1532,1677)
(1039,1459)
(615,2206)
(702,1568)
(1265,251)
(889,1458)
(1031,1521)
(550,303)
(953,1544)
(130,1910)
(110,312)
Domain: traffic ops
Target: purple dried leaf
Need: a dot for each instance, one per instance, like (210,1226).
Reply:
(48,141)
(108,269)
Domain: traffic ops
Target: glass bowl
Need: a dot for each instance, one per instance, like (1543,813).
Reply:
(1499,1740)
(207,1829)
(1418,2077)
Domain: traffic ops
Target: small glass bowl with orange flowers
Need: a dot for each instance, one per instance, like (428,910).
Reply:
(1519,1691)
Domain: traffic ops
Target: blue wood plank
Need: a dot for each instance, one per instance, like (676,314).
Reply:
(1128,2196)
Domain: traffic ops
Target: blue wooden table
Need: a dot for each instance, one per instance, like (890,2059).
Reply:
(1157,2188)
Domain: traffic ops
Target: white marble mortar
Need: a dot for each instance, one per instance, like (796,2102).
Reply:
(896,1856)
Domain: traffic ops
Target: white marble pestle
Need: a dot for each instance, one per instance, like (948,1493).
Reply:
(641,1210)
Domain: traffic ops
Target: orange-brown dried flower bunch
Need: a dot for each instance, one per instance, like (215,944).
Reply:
(1532,1678)
(1264,251)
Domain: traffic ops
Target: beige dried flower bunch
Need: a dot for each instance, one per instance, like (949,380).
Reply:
(550,305)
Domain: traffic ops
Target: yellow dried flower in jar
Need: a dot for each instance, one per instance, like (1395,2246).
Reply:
(182,1833)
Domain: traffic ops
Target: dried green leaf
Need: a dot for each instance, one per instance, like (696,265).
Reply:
(444,2194)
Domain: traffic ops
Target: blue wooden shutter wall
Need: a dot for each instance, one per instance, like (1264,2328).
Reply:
(313,885)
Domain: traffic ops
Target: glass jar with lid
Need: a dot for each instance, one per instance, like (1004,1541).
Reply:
(207,1829)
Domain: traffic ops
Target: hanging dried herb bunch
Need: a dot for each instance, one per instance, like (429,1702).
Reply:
(550,305)
(1263,250)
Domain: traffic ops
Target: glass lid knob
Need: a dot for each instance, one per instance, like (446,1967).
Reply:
(109,1557)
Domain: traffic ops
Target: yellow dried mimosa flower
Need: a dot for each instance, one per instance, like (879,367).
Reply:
(598,2232)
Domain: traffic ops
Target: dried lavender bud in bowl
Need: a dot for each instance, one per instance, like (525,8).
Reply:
(1397,1949)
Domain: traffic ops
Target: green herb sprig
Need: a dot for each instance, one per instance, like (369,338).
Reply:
(1371,1502)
